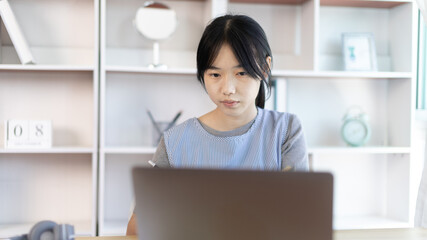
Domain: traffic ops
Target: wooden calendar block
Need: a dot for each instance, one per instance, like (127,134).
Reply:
(28,134)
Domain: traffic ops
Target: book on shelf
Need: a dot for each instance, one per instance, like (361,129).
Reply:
(15,33)
(1,53)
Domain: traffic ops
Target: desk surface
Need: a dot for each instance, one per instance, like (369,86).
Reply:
(371,234)
(382,234)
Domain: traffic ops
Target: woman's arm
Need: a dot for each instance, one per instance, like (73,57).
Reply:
(294,148)
(131,229)
(160,158)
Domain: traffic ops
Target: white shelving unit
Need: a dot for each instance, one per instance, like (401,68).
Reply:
(59,183)
(375,185)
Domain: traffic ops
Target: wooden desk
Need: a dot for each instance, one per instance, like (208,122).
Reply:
(371,234)
(382,234)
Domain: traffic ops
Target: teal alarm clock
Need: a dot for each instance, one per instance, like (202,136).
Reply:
(355,130)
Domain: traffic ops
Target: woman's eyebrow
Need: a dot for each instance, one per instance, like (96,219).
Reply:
(213,68)
(217,68)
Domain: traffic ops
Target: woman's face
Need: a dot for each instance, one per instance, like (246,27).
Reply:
(230,87)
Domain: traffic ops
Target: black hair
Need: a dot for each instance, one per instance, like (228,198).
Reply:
(249,44)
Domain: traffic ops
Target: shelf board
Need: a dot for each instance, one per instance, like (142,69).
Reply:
(275,73)
(359,150)
(49,150)
(367,222)
(113,228)
(290,2)
(128,150)
(82,228)
(133,69)
(65,68)
(340,74)
(364,3)
(378,234)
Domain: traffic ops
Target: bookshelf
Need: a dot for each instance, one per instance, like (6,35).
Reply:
(91,74)
(57,183)
(375,184)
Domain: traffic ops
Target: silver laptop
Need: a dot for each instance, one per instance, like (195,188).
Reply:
(178,204)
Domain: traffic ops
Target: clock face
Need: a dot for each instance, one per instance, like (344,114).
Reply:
(355,132)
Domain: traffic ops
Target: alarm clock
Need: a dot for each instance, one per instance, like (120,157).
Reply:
(355,130)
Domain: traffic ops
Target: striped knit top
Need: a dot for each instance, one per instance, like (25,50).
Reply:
(190,145)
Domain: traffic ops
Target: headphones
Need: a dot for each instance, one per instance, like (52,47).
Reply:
(48,230)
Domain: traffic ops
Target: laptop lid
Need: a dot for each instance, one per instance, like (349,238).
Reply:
(178,204)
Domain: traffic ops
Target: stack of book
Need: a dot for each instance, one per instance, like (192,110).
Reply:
(15,33)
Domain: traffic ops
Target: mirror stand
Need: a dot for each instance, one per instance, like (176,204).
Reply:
(156,22)
(156,56)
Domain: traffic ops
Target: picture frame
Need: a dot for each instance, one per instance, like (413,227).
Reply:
(359,52)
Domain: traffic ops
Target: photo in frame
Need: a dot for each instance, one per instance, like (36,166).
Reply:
(359,52)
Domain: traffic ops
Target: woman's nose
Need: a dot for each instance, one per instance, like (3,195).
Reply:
(228,86)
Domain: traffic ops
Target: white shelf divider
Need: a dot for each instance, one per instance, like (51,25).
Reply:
(275,73)
(367,222)
(340,74)
(17,67)
(129,150)
(49,150)
(359,150)
(129,69)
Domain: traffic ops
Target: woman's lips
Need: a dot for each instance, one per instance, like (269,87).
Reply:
(230,103)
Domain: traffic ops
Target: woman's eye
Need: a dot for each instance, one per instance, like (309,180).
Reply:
(242,73)
(214,75)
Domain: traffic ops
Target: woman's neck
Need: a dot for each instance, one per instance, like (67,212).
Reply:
(219,121)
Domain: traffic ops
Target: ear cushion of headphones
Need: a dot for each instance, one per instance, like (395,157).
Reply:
(40,228)
(64,232)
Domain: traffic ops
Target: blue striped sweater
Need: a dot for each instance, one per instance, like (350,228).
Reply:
(189,145)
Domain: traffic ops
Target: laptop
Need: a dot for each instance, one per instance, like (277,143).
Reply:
(194,204)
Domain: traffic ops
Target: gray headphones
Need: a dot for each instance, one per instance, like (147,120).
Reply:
(48,230)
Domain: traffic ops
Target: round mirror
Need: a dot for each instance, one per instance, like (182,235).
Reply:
(156,22)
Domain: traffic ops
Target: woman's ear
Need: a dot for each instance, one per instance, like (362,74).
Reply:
(268,59)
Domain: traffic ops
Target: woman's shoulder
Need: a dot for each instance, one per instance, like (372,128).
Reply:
(179,128)
(284,122)
(277,116)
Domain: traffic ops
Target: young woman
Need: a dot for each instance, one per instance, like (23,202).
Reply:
(234,66)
